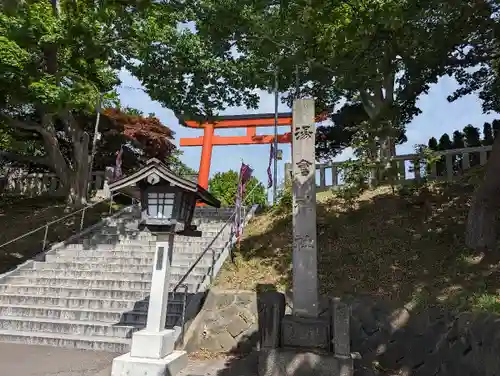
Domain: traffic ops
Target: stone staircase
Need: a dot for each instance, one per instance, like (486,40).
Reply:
(92,293)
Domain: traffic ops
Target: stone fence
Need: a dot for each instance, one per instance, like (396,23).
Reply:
(410,167)
(18,183)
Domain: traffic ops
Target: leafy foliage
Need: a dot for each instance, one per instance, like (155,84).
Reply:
(380,54)
(142,138)
(470,136)
(178,167)
(284,200)
(224,186)
(56,57)
(482,72)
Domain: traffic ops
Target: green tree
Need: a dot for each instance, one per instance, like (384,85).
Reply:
(440,163)
(472,136)
(433,144)
(224,186)
(382,54)
(472,139)
(333,139)
(57,56)
(487,135)
(482,73)
(458,140)
(445,142)
(496,128)
(177,166)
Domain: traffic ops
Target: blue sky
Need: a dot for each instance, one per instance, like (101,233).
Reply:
(438,116)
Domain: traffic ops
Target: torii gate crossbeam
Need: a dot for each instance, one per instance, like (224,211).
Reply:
(250,122)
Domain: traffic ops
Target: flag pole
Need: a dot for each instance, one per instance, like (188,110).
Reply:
(275,151)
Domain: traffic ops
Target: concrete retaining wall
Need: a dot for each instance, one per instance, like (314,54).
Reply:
(228,321)
(424,342)
(417,342)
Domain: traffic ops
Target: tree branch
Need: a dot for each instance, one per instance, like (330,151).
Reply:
(25,158)
(28,126)
(389,87)
(368,105)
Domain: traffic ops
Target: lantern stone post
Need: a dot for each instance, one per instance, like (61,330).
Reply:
(168,204)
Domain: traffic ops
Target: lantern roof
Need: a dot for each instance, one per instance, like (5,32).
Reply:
(156,167)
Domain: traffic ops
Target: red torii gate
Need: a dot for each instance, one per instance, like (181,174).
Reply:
(250,122)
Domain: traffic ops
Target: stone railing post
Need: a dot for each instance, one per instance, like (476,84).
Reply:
(340,316)
(288,173)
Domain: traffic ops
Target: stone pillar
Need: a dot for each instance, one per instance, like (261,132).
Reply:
(340,316)
(305,269)
(152,350)
(160,282)
(108,177)
(271,308)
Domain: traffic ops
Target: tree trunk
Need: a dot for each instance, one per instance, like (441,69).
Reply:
(73,179)
(77,194)
(79,175)
(483,213)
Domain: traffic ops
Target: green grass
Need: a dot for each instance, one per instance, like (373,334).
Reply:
(406,249)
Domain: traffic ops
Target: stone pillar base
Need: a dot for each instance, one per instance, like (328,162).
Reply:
(300,362)
(153,345)
(127,365)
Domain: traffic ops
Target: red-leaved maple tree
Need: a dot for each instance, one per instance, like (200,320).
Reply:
(142,137)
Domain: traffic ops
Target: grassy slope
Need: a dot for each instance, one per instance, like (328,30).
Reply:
(19,216)
(400,248)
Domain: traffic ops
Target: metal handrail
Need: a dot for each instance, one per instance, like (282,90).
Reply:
(48,224)
(200,257)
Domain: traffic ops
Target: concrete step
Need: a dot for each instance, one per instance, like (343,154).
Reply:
(94,283)
(105,253)
(73,292)
(99,256)
(175,302)
(110,317)
(72,302)
(72,327)
(81,283)
(112,267)
(183,259)
(84,244)
(205,262)
(196,248)
(104,267)
(99,274)
(103,316)
(116,345)
(201,242)
(120,236)
(102,259)
(75,278)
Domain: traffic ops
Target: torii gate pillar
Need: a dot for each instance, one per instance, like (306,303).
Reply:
(206,156)
(249,122)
